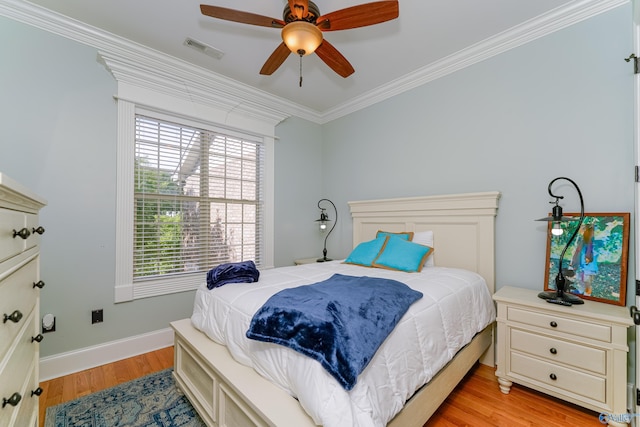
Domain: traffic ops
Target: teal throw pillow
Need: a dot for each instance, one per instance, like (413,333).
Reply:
(406,235)
(400,254)
(366,252)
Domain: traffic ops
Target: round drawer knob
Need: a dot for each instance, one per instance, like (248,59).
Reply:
(38,284)
(553,377)
(37,338)
(14,317)
(36,392)
(24,233)
(39,230)
(13,400)
(553,324)
(553,350)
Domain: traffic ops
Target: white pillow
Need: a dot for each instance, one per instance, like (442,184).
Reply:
(425,238)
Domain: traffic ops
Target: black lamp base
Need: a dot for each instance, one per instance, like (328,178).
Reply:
(323,259)
(561,297)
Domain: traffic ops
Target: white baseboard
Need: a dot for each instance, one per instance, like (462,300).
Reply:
(89,357)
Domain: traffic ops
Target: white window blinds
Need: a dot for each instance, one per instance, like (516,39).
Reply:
(198,199)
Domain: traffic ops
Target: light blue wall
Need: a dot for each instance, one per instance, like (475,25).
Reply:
(58,120)
(59,139)
(493,126)
(298,187)
(559,106)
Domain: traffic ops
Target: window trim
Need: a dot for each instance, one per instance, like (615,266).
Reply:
(125,288)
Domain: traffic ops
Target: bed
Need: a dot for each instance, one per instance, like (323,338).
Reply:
(228,393)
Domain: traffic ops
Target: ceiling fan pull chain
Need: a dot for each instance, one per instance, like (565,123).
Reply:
(300,70)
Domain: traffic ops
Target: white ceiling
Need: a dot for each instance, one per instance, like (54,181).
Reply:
(427,32)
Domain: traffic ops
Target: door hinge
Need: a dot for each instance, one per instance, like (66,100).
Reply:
(637,287)
(635,62)
(637,397)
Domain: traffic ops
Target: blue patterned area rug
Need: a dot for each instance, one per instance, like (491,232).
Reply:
(150,401)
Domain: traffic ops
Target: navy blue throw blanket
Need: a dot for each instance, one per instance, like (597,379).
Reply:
(340,322)
(233,272)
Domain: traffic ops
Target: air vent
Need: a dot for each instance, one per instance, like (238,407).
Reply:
(201,47)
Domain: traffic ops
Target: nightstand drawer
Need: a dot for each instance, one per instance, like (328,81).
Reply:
(568,353)
(569,380)
(560,324)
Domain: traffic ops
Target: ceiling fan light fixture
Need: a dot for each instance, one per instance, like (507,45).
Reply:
(301,37)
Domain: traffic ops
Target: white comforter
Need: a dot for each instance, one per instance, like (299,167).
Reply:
(456,305)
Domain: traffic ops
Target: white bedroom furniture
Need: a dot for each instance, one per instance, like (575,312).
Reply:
(226,393)
(302,261)
(576,353)
(19,303)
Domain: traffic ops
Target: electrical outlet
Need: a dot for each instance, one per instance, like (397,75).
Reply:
(48,323)
(96,316)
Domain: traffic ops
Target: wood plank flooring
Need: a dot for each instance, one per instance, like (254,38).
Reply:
(69,387)
(476,402)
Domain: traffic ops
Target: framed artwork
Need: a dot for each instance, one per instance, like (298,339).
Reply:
(595,264)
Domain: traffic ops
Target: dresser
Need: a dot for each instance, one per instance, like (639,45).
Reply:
(20,284)
(576,353)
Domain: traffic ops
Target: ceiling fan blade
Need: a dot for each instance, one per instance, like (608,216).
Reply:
(240,16)
(334,59)
(299,8)
(359,16)
(275,60)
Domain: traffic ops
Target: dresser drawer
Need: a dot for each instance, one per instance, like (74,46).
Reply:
(28,408)
(559,351)
(15,220)
(9,221)
(32,222)
(20,364)
(18,294)
(566,379)
(557,323)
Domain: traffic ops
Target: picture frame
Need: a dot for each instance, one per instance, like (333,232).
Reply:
(604,277)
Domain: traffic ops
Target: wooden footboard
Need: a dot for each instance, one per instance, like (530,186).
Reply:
(226,393)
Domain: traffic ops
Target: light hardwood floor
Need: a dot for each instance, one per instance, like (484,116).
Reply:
(69,387)
(476,402)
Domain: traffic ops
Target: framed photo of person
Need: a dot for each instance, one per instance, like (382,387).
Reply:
(595,264)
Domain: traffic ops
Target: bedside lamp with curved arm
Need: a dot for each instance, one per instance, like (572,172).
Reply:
(324,219)
(561,294)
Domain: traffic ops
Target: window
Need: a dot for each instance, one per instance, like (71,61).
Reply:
(198,200)
(209,182)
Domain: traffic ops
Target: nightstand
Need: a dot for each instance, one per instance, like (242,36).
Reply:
(305,261)
(577,353)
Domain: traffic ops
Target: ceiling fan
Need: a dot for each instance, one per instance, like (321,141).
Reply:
(302,27)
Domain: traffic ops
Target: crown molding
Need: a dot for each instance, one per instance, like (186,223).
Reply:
(194,86)
(545,24)
(131,59)
(127,60)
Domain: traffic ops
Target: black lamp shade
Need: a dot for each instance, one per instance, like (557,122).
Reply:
(556,216)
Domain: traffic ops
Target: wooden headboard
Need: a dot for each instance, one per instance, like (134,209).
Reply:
(463,226)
